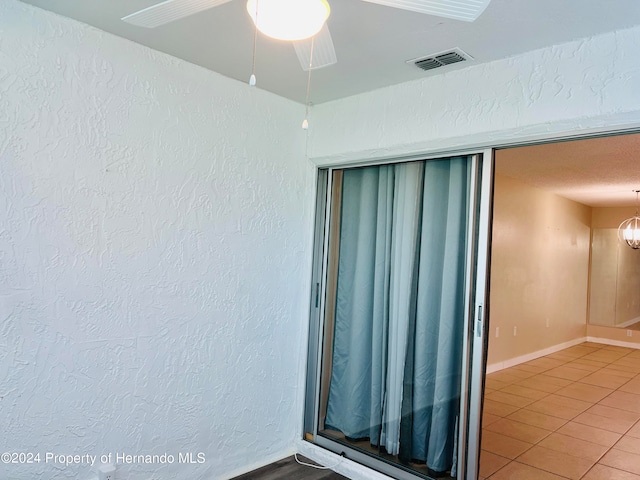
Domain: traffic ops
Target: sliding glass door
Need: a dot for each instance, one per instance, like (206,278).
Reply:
(397,316)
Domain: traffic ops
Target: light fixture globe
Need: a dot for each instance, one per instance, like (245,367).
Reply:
(289,20)
(629,232)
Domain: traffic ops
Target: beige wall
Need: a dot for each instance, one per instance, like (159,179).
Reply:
(539,270)
(603,276)
(610,217)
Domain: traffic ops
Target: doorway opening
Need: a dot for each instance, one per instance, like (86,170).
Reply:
(561,396)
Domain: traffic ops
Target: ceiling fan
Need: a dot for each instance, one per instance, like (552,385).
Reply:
(314,47)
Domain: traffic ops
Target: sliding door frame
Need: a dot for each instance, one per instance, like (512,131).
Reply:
(474,348)
(480,315)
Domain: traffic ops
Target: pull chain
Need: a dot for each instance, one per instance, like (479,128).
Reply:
(305,122)
(252,78)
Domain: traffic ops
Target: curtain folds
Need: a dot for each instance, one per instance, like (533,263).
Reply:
(399,313)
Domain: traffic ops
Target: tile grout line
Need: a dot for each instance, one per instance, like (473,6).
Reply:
(564,361)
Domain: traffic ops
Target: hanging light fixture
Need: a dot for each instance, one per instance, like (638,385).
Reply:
(288,19)
(629,230)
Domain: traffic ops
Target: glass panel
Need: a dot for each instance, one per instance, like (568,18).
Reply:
(627,287)
(615,281)
(395,315)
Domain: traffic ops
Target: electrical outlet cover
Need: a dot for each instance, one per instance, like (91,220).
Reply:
(106,472)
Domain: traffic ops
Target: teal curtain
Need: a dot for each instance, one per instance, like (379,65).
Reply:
(399,313)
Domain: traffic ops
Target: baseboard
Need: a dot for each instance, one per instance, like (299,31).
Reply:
(615,343)
(628,323)
(495,367)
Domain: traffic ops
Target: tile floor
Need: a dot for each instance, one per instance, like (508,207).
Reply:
(573,414)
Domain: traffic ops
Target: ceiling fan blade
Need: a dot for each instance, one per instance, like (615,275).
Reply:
(324,53)
(466,10)
(168,11)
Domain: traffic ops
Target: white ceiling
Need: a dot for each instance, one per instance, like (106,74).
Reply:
(372,42)
(599,172)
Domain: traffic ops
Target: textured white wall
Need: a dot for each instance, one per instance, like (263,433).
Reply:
(154,230)
(155,225)
(587,84)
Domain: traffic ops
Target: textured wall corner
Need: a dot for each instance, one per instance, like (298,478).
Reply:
(154,242)
(590,83)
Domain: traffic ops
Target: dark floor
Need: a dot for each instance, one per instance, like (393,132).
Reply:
(289,469)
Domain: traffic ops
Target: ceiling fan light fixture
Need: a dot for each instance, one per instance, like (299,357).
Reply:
(289,20)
